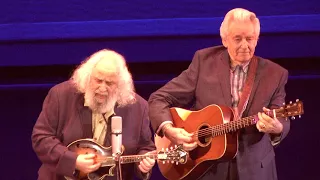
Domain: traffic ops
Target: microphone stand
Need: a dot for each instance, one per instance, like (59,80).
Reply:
(118,165)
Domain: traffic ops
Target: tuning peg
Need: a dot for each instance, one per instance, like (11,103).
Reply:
(171,148)
(297,100)
(163,162)
(293,118)
(172,162)
(175,146)
(283,103)
(290,102)
(299,116)
(177,163)
(167,149)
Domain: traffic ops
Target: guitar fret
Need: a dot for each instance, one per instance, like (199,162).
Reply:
(232,126)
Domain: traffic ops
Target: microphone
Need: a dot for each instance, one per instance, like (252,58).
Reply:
(116,134)
(116,142)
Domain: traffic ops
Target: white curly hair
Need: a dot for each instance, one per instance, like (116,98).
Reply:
(81,76)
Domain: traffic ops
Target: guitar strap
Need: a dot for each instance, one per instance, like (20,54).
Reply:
(247,87)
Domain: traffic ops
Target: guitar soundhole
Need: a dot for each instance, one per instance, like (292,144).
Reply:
(204,135)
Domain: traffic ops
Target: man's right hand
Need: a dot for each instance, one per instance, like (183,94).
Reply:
(181,136)
(86,163)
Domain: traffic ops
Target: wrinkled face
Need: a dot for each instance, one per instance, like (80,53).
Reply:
(101,94)
(241,41)
(103,85)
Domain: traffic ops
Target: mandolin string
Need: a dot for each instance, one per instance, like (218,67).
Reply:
(130,157)
(103,160)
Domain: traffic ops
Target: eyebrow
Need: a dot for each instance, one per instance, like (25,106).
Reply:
(239,36)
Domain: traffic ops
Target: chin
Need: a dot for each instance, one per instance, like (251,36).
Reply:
(100,101)
(245,58)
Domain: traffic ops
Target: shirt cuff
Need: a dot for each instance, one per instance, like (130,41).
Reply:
(275,139)
(146,176)
(159,130)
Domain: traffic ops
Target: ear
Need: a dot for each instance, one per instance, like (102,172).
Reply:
(224,42)
(257,41)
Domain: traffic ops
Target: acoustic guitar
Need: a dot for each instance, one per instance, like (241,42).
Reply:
(103,154)
(215,131)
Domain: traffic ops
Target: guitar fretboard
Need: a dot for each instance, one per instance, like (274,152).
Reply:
(233,125)
(228,127)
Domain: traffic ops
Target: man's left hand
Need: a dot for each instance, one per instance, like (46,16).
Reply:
(146,164)
(267,124)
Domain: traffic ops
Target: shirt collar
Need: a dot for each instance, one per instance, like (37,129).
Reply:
(245,66)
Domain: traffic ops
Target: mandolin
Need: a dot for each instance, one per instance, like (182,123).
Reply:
(103,154)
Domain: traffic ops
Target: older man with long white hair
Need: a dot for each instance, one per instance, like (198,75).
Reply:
(81,109)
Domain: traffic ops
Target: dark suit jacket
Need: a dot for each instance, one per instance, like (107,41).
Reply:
(207,81)
(64,119)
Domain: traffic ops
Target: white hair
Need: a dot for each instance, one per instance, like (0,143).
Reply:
(81,76)
(239,14)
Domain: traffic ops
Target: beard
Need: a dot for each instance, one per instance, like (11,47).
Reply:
(95,106)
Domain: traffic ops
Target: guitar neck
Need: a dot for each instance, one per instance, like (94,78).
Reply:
(137,158)
(234,125)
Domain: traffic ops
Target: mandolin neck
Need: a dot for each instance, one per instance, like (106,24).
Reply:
(136,158)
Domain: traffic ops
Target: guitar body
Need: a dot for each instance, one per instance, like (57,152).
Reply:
(86,146)
(209,150)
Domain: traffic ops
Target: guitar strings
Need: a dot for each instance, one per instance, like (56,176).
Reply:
(231,126)
(220,129)
(225,128)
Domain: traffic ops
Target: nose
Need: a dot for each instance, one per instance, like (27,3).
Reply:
(103,87)
(244,44)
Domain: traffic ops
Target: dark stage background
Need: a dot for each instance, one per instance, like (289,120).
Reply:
(42,41)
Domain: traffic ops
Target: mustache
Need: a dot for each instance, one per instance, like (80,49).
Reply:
(102,93)
(106,106)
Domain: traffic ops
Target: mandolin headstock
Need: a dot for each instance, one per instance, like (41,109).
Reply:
(173,154)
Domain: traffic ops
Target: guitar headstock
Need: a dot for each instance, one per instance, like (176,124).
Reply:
(174,155)
(290,110)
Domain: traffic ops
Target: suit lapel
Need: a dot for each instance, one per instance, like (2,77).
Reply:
(85,115)
(255,84)
(107,140)
(224,77)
